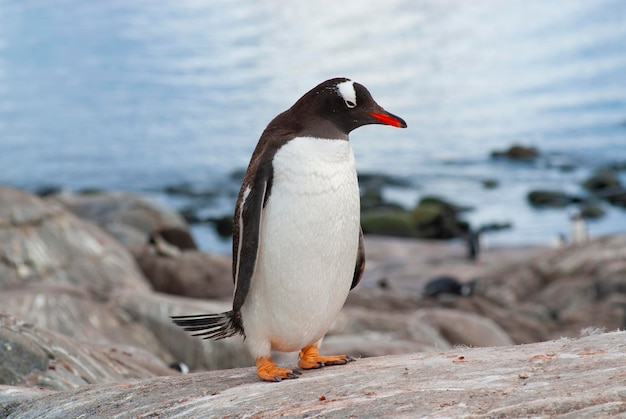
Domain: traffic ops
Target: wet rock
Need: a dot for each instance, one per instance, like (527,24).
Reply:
(605,184)
(387,223)
(190,190)
(547,198)
(517,152)
(602,180)
(372,186)
(591,210)
(42,242)
(490,183)
(435,218)
(618,198)
(378,180)
(223,225)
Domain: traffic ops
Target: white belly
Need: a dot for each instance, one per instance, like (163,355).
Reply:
(308,248)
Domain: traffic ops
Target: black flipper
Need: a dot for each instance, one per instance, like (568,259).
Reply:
(246,236)
(360,262)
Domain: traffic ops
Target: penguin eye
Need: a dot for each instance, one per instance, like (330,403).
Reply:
(350,104)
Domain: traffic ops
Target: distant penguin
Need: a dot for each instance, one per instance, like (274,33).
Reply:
(442,285)
(297,242)
(578,228)
(473,244)
(180,367)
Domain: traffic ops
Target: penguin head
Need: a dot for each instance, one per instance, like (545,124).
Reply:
(345,104)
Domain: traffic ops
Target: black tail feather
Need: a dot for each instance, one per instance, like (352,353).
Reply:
(212,326)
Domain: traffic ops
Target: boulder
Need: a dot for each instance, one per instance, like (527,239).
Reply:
(153,311)
(435,218)
(517,152)
(605,183)
(129,218)
(546,198)
(567,283)
(77,313)
(372,186)
(387,223)
(189,273)
(34,357)
(562,378)
(463,328)
(42,242)
(602,179)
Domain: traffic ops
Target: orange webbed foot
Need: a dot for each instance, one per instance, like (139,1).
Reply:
(310,358)
(267,370)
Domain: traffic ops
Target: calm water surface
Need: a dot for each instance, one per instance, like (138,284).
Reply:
(138,95)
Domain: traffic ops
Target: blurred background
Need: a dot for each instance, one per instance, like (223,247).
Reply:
(168,99)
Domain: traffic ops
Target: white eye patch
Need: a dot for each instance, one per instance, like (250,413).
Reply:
(347,92)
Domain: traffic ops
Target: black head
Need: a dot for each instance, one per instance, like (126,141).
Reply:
(336,107)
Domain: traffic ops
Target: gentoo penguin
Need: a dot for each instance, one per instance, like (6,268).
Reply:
(297,240)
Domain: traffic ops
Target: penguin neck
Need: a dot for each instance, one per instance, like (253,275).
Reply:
(323,129)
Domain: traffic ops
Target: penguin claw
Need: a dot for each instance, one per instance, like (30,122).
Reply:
(311,359)
(268,371)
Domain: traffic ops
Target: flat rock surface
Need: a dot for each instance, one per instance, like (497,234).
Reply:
(569,378)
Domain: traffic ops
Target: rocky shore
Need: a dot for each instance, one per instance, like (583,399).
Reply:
(88,282)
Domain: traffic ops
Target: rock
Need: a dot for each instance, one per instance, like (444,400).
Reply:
(189,273)
(179,238)
(223,225)
(591,210)
(36,357)
(42,242)
(517,152)
(75,312)
(561,378)
(190,191)
(564,281)
(11,395)
(618,198)
(372,186)
(435,218)
(464,328)
(490,183)
(385,333)
(129,218)
(552,199)
(601,180)
(387,223)
(153,311)
(605,184)
(524,323)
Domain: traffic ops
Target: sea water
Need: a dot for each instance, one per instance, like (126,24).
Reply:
(140,95)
